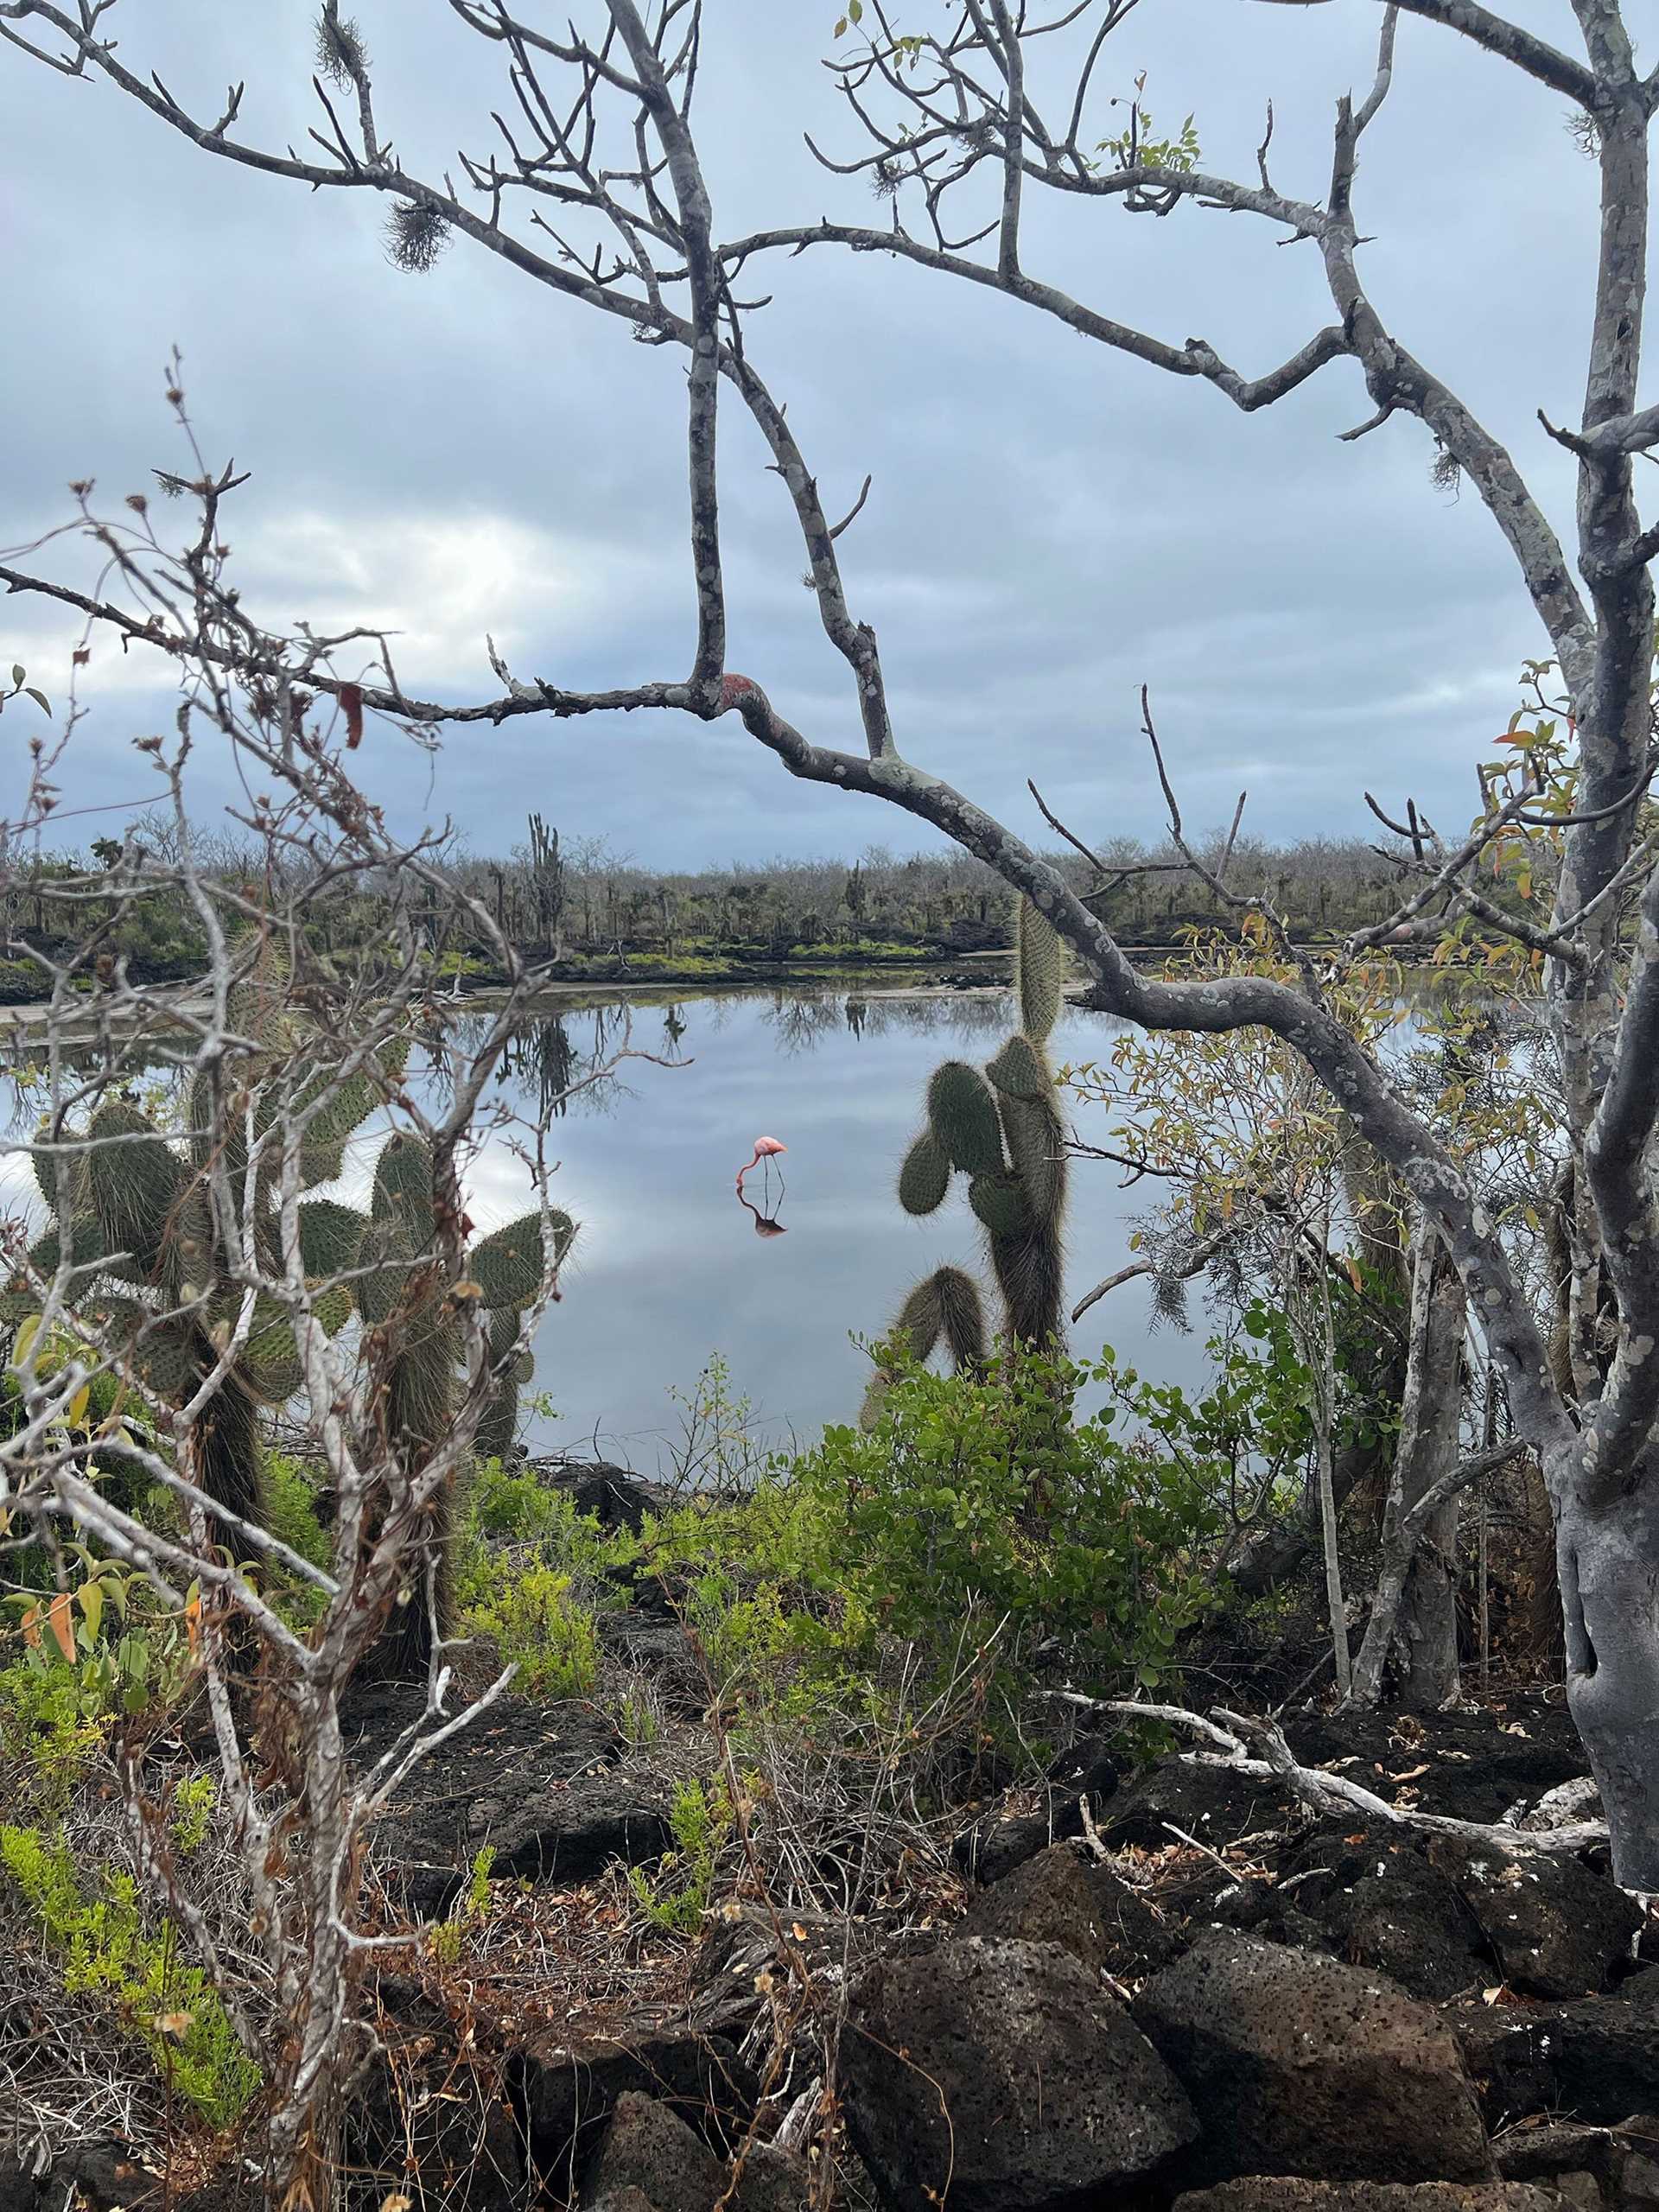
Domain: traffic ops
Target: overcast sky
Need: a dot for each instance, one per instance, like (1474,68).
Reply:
(1051,524)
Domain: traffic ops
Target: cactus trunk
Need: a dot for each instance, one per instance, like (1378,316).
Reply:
(418,1407)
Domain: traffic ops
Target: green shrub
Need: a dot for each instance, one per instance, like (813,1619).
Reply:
(292,1517)
(702,1820)
(104,1953)
(636,1718)
(447,1938)
(746,1635)
(192,1812)
(98,1652)
(504,1507)
(291,1509)
(45,1730)
(975,1520)
(511,1505)
(540,1628)
(976,1510)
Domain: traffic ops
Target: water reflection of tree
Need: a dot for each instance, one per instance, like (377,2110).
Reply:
(28,1081)
(555,1049)
(800,1022)
(550,1054)
(801,1019)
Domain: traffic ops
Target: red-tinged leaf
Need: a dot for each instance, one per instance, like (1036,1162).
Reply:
(351,699)
(60,1619)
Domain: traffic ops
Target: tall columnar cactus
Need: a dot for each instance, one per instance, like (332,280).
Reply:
(401,1292)
(1000,1129)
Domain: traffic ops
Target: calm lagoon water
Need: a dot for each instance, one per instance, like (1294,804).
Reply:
(669,1268)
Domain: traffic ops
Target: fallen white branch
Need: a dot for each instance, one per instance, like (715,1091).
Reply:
(1322,1792)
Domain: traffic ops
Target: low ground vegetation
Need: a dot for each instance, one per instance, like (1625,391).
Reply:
(760,1732)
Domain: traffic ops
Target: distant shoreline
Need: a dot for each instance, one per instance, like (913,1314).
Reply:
(885,976)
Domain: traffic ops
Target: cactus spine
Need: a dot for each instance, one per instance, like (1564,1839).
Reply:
(1002,1130)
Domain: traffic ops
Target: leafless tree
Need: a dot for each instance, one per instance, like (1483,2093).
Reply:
(185,1263)
(595,145)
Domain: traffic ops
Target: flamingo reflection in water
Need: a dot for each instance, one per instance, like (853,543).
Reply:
(764,1225)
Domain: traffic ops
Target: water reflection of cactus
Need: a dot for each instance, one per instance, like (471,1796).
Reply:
(1000,1129)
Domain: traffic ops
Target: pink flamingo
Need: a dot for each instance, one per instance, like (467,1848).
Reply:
(765,1149)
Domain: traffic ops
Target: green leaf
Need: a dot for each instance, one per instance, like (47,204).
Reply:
(90,1597)
(39,697)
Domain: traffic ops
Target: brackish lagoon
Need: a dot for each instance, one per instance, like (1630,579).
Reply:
(669,1268)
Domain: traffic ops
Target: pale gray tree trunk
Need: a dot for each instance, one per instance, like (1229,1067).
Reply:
(1609,1562)
(1421,1624)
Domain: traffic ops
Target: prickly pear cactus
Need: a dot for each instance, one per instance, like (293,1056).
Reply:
(1000,1130)
(165,1291)
(962,1114)
(944,1307)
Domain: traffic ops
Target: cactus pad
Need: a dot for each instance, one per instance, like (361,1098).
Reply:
(508,1266)
(134,1182)
(1036,1146)
(961,1316)
(1000,1203)
(962,1110)
(330,1235)
(1018,1070)
(67,1174)
(926,1176)
(402,1186)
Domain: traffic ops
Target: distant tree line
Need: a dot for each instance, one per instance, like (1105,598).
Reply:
(585,903)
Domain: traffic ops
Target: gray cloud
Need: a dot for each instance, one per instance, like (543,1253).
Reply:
(1051,525)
